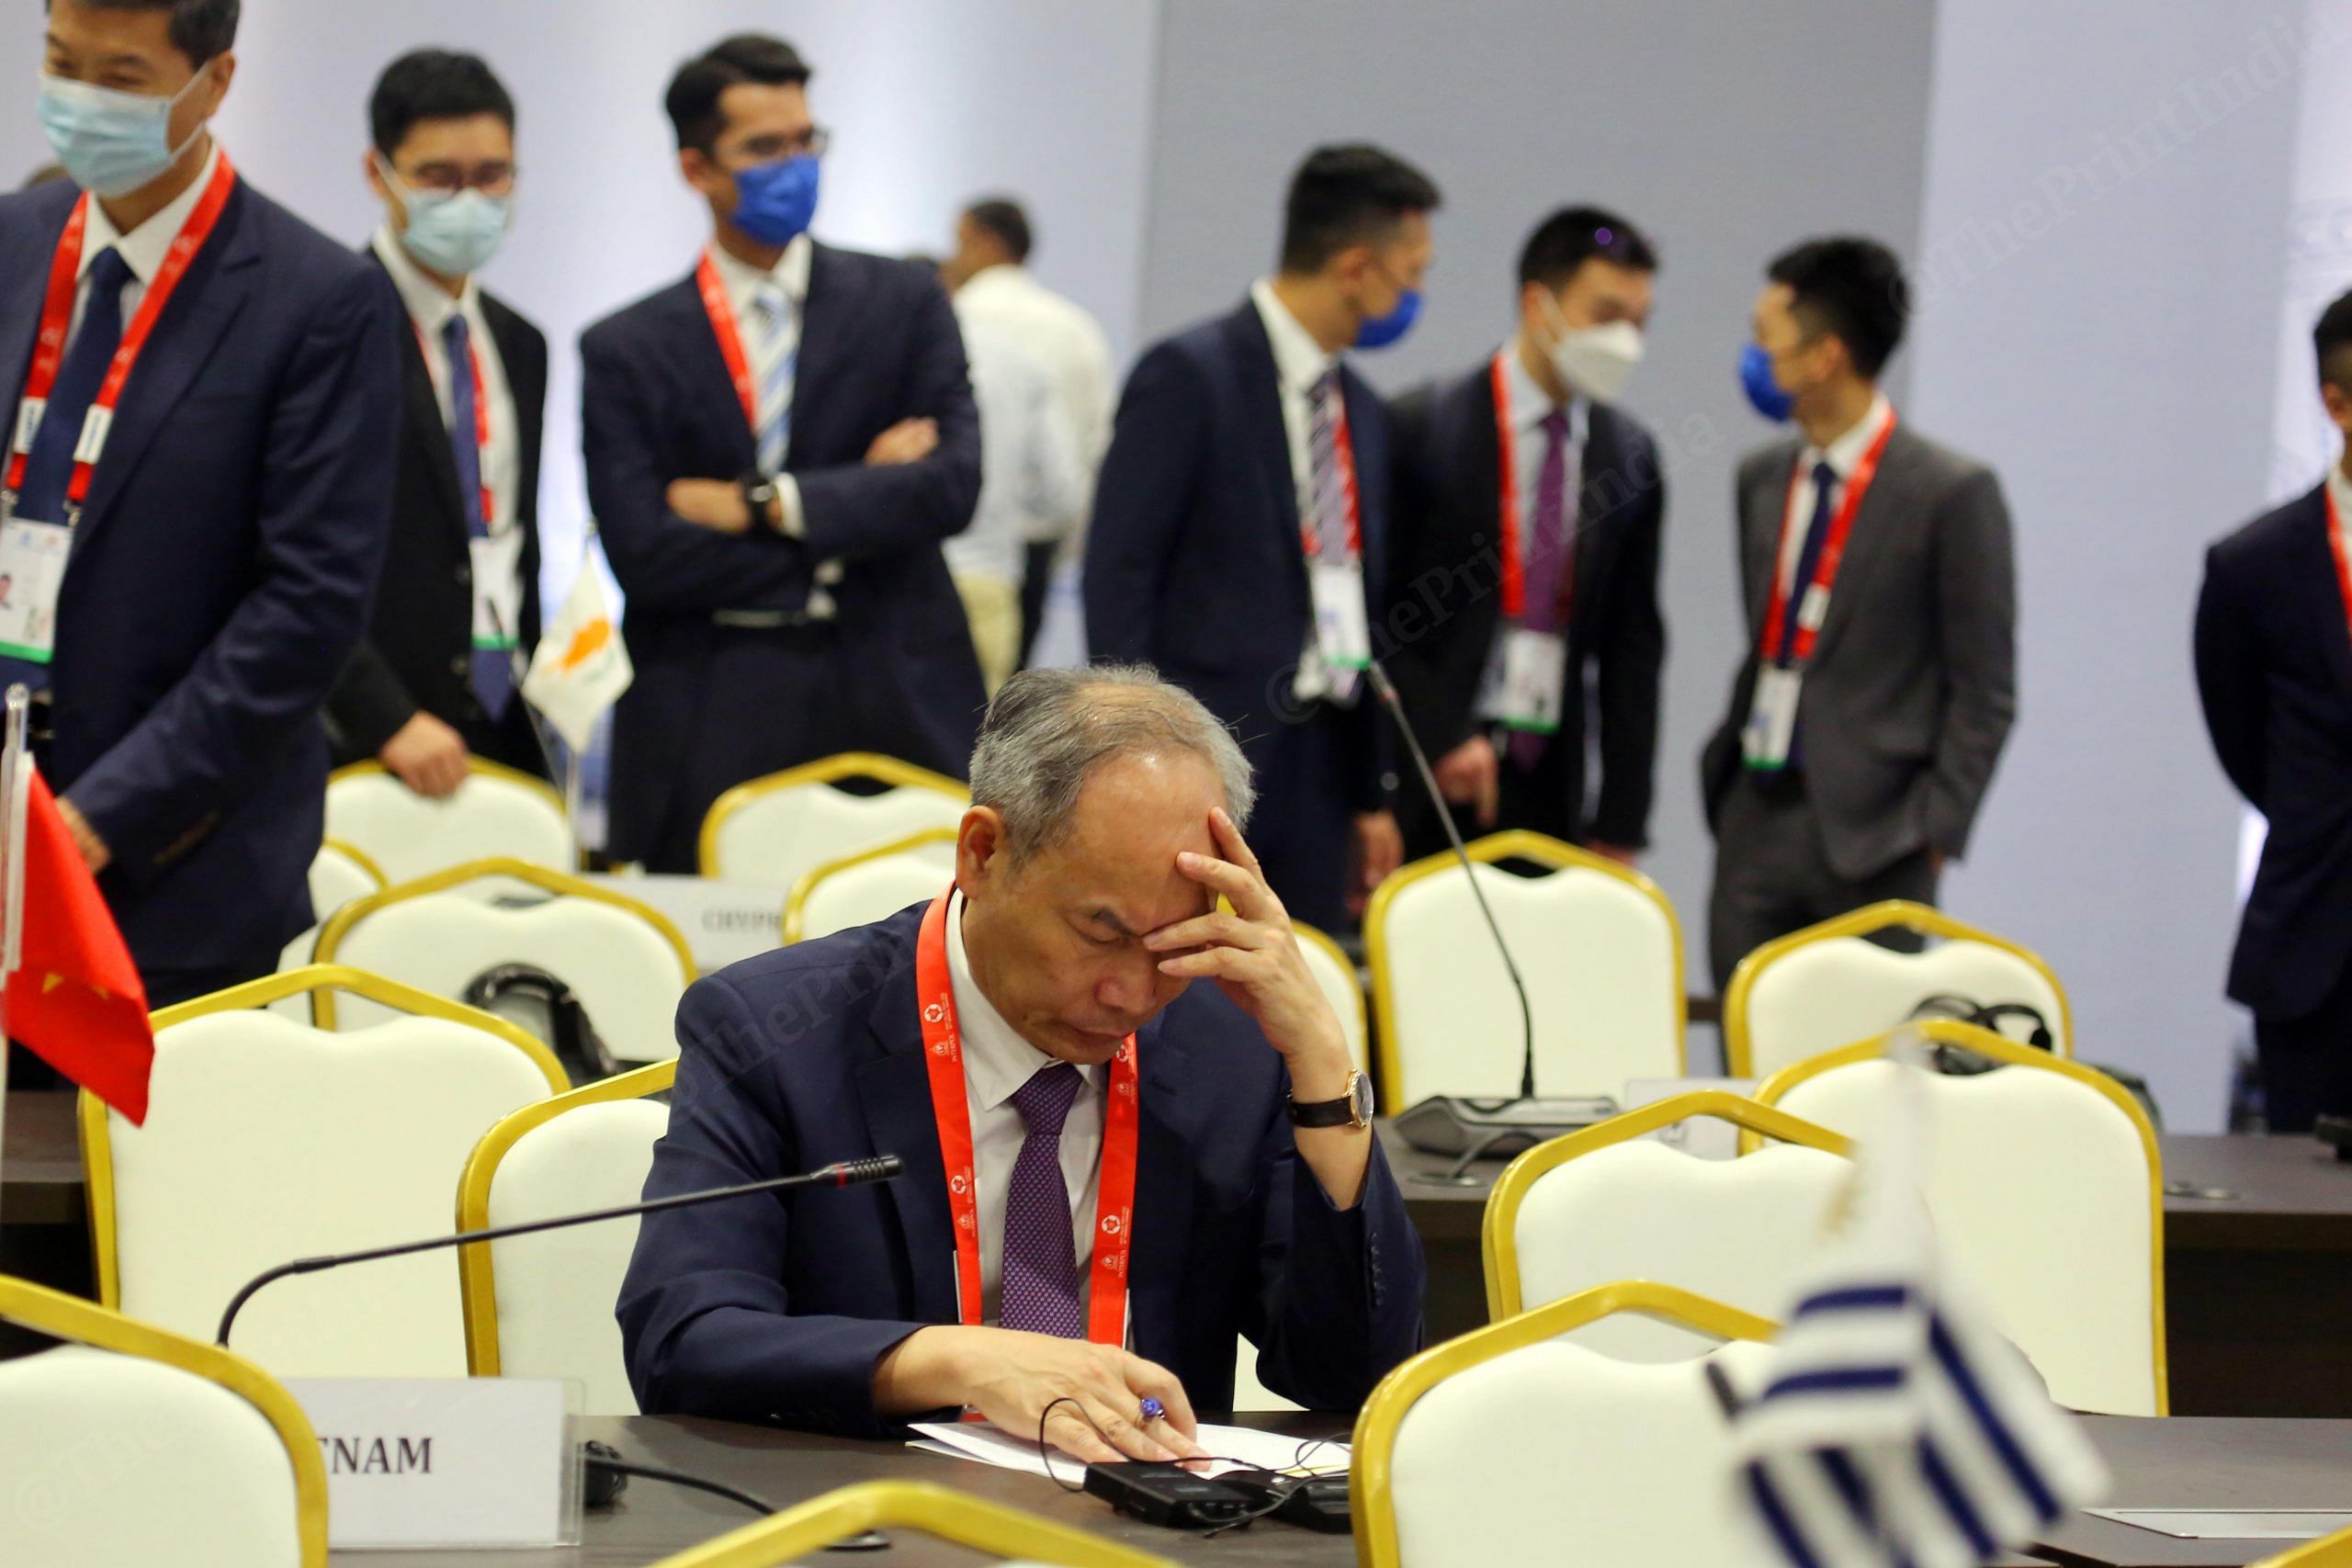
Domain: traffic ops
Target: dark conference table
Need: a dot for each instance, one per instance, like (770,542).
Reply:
(2180,1463)
(2258,1287)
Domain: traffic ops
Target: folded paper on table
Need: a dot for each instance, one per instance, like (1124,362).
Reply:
(1237,1448)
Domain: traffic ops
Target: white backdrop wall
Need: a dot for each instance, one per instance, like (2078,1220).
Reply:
(931,102)
(2108,197)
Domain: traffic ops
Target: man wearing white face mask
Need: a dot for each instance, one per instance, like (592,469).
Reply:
(195,506)
(1529,510)
(458,609)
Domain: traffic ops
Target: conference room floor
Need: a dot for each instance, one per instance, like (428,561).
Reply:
(2182,1462)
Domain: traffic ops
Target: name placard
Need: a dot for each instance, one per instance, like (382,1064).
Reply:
(446,1461)
(723,923)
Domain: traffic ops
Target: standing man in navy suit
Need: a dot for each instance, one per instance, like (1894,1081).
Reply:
(1240,521)
(775,447)
(458,609)
(2273,666)
(1112,1172)
(196,494)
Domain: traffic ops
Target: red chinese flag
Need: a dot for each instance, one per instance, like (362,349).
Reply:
(75,998)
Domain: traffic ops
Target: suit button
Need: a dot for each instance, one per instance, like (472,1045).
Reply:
(465,576)
(461,665)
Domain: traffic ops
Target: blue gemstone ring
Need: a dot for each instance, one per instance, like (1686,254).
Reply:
(1153,1410)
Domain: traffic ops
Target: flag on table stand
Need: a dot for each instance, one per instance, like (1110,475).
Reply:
(72,995)
(1900,1430)
(582,666)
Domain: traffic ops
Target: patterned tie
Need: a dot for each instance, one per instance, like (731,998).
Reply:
(1041,1279)
(1327,492)
(48,467)
(493,667)
(1549,550)
(776,359)
(1824,496)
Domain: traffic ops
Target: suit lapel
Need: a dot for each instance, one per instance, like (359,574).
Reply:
(197,316)
(1600,491)
(2319,569)
(1761,514)
(421,408)
(828,320)
(24,280)
(1163,1216)
(1262,409)
(1890,504)
(894,1089)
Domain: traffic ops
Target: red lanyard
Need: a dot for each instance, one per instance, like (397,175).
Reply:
(2336,544)
(1343,454)
(56,321)
(1506,455)
(731,341)
(482,412)
(1832,554)
(943,1049)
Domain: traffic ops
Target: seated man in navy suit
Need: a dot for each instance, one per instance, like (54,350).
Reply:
(1109,1173)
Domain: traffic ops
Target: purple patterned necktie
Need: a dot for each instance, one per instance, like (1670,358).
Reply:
(1041,1279)
(1547,561)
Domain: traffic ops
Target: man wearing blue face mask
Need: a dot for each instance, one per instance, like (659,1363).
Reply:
(458,609)
(1240,521)
(775,447)
(196,378)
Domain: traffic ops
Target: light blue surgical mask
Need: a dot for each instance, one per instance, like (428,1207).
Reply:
(110,142)
(453,234)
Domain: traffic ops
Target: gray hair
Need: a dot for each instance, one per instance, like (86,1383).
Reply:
(1048,731)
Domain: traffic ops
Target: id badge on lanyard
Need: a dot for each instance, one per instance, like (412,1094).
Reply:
(1772,728)
(1343,628)
(498,590)
(1526,680)
(32,569)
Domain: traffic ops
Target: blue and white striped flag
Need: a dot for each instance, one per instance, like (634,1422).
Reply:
(1900,1430)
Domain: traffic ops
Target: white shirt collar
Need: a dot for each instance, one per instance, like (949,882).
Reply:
(429,304)
(791,271)
(1530,404)
(997,1060)
(2340,488)
(1842,454)
(145,247)
(996,276)
(1299,360)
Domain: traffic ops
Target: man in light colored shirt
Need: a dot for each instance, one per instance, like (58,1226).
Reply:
(990,277)
(1156,1167)
(1241,533)
(1032,483)
(457,611)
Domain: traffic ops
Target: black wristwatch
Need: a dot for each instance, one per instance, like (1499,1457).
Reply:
(1353,1109)
(759,494)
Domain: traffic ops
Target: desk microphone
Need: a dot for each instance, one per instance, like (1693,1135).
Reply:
(1455,1124)
(847,1173)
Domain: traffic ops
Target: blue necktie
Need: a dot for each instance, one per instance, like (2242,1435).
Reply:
(493,668)
(1816,537)
(48,467)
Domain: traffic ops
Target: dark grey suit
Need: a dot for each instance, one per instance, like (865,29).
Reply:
(1909,696)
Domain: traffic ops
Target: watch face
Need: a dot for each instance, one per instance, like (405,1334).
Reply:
(1362,1096)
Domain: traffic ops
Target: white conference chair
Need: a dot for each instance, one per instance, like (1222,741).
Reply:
(1335,973)
(497,811)
(1512,1444)
(626,961)
(2047,1193)
(133,1445)
(339,874)
(541,1306)
(1597,944)
(1826,986)
(775,830)
(1610,1202)
(998,1534)
(267,1140)
(871,884)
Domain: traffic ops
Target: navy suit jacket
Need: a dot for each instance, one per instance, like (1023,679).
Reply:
(777,1308)
(1448,503)
(1193,560)
(221,573)
(878,344)
(2274,667)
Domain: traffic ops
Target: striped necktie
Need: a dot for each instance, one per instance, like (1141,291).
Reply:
(776,355)
(1329,491)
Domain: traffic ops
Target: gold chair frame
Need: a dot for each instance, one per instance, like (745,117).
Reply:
(954,1517)
(824,769)
(797,899)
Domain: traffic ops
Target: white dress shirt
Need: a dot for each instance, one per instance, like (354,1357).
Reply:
(144,249)
(497,559)
(1077,361)
(1841,455)
(743,284)
(997,1062)
(1033,482)
(1299,362)
(1530,405)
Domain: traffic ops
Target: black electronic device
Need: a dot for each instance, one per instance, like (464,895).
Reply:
(1167,1495)
(1311,1502)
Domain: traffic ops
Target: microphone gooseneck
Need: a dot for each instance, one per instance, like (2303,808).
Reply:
(1390,700)
(846,1173)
